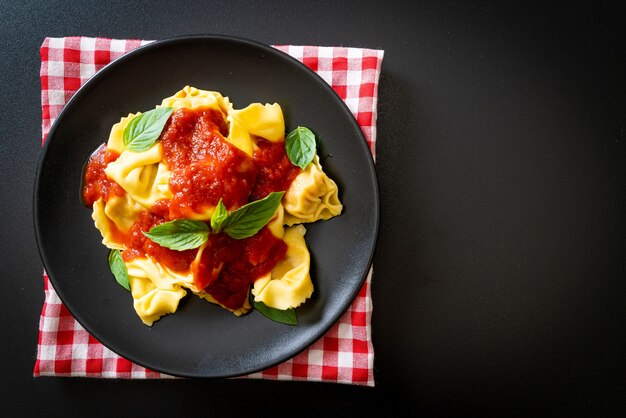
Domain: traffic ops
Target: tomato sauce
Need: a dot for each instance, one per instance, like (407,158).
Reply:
(96,184)
(227,267)
(276,172)
(204,168)
(138,245)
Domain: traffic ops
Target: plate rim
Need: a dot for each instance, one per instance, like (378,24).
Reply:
(84,89)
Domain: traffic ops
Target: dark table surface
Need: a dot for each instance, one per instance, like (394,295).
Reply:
(500,267)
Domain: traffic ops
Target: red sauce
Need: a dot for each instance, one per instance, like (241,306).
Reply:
(138,245)
(96,184)
(204,168)
(275,170)
(227,267)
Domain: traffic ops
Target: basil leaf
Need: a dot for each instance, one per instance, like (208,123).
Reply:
(219,217)
(300,146)
(142,131)
(287,316)
(179,234)
(118,268)
(249,219)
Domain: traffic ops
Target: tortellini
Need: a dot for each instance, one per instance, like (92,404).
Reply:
(122,211)
(312,196)
(289,284)
(193,98)
(111,236)
(265,121)
(145,180)
(116,137)
(156,290)
(142,175)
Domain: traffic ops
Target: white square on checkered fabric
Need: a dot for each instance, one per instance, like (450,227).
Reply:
(316,357)
(296,52)
(355,53)
(327,76)
(353,78)
(57,43)
(344,359)
(79,350)
(137,372)
(353,105)
(345,331)
(53,298)
(109,373)
(118,45)
(87,70)
(368,75)
(87,44)
(50,324)
(108,354)
(56,97)
(47,352)
(325,52)
(56,68)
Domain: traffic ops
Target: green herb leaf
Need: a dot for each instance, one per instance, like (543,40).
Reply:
(179,234)
(287,316)
(300,146)
(249,219)
(219,217)
(118,268)
(142,131)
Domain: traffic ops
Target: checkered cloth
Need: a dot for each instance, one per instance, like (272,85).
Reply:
(344,354)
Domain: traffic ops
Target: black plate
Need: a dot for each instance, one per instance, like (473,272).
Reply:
(201,339)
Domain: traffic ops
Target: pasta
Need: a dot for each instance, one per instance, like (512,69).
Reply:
(289,284)
(312,196)
(200,163)
(142,175)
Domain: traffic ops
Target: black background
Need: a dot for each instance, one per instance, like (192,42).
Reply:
(499,273)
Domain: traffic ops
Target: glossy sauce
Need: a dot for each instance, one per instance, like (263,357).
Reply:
(276,173)
(227,267)
(96,185)
(138,245)
(205,167)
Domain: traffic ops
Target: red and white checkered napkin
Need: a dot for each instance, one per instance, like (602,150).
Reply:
(344,354)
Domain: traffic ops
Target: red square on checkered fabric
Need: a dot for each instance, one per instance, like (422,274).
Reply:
(367,89)
(71,55)
(300,370)
(101,57)
(341,91)
(345,354)
(370,63)
(359,374)
(358,318)
(71,83)
(330,373)
(331,344)
(93,365)
(360,346)
(311,62)
(43,53)
(340,64)
(124,366)
(63,366)
(65,337)
(364,118)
